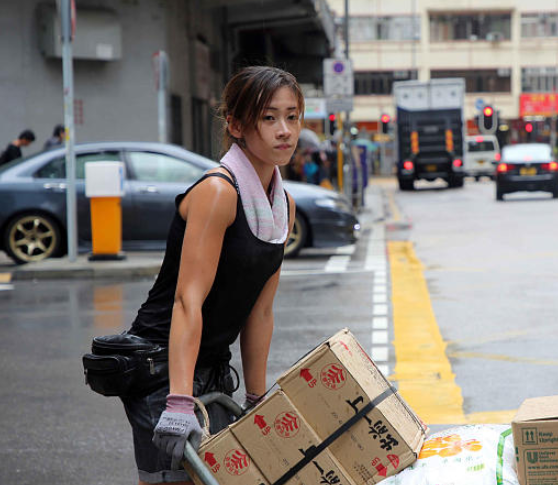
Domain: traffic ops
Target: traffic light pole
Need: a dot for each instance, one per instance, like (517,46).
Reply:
(346,126)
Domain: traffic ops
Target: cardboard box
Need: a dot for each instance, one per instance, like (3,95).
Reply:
(277,437)
(535,434)
(335,382)
(228,461)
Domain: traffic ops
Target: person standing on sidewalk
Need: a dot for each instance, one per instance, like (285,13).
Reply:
(13,150)
(220,273)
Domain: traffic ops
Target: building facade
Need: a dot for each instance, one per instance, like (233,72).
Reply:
(506,50)
(114,79)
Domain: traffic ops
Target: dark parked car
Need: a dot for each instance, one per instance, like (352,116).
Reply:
(527,167)
(33,201)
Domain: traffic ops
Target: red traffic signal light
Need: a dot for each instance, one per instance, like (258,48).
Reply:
(529,127)
(488,111)
(489,120)
(385,118)
(332,117)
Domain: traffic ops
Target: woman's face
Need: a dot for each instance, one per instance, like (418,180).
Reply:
(275,140)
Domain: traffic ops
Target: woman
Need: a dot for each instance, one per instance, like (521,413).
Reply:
(220,272)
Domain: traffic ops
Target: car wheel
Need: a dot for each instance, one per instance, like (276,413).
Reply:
(32,237)
(297,237)
(499,194)
(455,182)
(406,184)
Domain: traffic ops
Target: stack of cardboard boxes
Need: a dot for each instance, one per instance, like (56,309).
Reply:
(335,420)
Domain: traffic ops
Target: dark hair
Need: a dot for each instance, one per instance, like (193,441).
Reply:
(248,93)
(27,135)
(58,130)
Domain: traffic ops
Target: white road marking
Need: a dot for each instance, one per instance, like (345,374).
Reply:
(346,249)
(380,323)
(6,287)
(376,260)
(337,263)
(379,354)
(379,337)
(379,310)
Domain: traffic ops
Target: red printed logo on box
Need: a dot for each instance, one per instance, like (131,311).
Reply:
(394,460)
(237,462)
(259,421)
(286,424)
(308,377)
(332,376)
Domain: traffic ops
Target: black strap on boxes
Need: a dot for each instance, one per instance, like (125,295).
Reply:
(314,451)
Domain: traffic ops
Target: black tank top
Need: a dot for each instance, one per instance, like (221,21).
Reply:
(245,265)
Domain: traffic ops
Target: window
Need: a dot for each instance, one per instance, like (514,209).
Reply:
(56,169)
(477,26)
(156,167)
(539,79)
(480,146)
(480,80)
(370,28)
(380,82)
(541,24)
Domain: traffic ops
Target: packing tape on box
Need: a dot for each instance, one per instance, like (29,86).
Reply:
(314,451)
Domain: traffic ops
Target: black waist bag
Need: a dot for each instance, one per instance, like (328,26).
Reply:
(125,365)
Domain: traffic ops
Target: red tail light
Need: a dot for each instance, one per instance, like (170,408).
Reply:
(408,165)
(551,167)
(458,162)
(502,168)
(497,157)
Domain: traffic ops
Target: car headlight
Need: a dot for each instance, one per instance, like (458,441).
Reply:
(333,203)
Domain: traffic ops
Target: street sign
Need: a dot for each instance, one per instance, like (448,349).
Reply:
(479,103)
(315,108)
(335,104)
(338,77)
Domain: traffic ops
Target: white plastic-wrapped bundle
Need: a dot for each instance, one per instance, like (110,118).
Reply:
(463,455)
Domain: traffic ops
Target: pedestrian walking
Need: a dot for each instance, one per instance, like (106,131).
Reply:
(13,150)
(57,137)
(220,273)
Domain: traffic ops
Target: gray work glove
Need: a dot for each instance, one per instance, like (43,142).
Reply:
(175,428)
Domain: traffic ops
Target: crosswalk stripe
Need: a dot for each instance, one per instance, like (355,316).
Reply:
(6,287)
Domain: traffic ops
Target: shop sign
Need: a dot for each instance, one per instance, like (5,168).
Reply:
(538,104)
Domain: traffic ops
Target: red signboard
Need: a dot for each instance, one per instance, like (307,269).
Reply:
(538,104)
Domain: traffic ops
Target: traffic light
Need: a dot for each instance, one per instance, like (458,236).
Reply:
(489,120)
(385,123)
(529,127)
(332,123)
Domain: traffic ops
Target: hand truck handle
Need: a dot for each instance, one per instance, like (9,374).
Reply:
(197,465)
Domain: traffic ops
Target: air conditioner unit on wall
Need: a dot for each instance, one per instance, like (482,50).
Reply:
(495,36)
(98,34)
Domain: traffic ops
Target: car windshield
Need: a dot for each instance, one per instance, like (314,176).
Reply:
(480,146)
(527,153)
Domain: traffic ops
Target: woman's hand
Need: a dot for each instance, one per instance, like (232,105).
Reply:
(177,424)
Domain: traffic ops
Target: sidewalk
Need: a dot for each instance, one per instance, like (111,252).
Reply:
(137,263)
(147,263)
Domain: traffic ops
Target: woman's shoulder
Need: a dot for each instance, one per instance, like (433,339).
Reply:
(216,191)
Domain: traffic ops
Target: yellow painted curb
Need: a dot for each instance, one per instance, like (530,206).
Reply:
(423,370)
(5,277)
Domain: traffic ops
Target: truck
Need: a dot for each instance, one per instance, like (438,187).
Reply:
(430,131)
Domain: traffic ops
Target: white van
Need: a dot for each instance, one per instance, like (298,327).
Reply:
(483,154)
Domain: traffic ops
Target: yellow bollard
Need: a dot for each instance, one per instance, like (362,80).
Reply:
(104,185)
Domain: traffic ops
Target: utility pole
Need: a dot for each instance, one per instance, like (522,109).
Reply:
(161,67)
(347,122)
(67,11)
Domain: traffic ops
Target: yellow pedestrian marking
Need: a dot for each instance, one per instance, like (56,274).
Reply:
(422,368)
(501,357)
(5,277)
(393,209)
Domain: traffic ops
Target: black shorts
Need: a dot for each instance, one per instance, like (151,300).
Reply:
(154,465)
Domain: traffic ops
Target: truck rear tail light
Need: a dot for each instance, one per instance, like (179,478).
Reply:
(408,165)
(551,167)
(458,163)
(502,168)
(497,157)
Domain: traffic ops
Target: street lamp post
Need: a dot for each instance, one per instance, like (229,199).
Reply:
(67,23)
